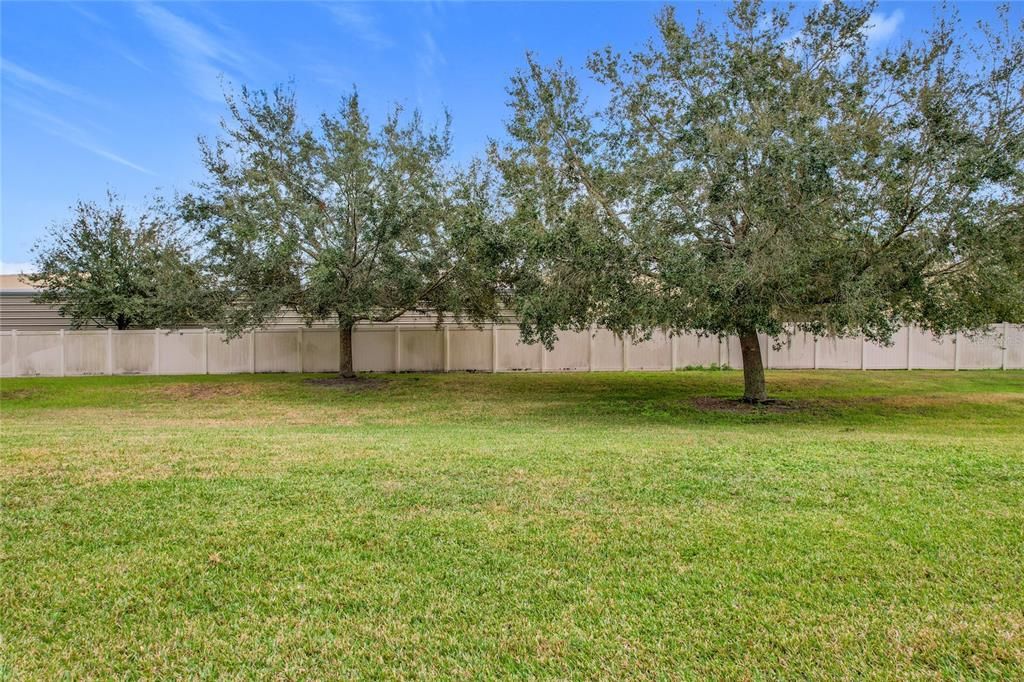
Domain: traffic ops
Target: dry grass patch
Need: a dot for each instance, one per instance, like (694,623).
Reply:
(932,401)
(207,391)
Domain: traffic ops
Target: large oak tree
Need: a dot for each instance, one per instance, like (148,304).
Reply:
(340,221)
(769,172)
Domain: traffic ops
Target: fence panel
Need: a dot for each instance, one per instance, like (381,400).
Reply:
(469,349)
(929,352)
(277,351)
(39,354)
(7,344)
(654,354)
(607,352)
(373,349)
(319,350)
(134,352)
(984,350)
(796,352)
(1014,347)
(232,356)
(182,352)
(85,353)
(515,356)
(893,356)
(842,353)
(697,351)
(571,353)
(422,350)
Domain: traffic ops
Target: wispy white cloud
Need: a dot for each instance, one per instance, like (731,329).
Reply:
(428,58)
(31,80)
(91,16)
(323,70)
(881,27)
(109,155)
(104,35)
(354,19)
(202,56)
(73,134)
(33,85)
(127,55)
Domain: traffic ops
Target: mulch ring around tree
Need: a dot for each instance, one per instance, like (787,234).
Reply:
(355,385)
(740,406)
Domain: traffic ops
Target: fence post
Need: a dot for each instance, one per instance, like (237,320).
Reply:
(675,350)
(625,353)
(398,348)
(956,352)
(1006,343)
(863,352)
(590,348)
(14,353)
(300,349)
(63,362)
(910,346)
(494,347)
(543,357)
(252,351)
(110,351)
(156,351)
(206,350)
(815,351)
(447,343)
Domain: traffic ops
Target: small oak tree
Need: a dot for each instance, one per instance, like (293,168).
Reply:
(771,171)
(340,221)
(108,268)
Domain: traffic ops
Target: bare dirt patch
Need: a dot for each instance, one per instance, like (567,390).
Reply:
(20,394)
(204,391)
(357,385)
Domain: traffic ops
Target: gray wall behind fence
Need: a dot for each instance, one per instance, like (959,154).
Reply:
(494,348)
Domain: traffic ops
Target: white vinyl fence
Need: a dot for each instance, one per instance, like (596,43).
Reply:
(494,348)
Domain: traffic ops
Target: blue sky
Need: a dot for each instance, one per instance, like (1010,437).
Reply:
(99,95)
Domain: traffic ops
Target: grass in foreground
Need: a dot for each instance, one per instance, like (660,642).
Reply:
(513,525)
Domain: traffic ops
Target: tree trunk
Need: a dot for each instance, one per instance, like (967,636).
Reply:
(345,370)
(753,368)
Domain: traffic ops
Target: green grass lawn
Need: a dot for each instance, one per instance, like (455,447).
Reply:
(485,526)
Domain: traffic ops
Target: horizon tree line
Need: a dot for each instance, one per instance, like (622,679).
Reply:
(741,179)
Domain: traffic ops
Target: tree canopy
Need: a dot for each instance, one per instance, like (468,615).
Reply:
(341,221)
(772,174)
(108,268)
